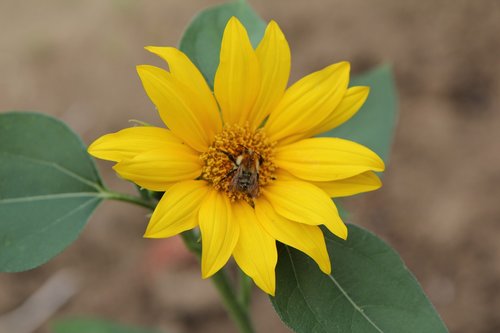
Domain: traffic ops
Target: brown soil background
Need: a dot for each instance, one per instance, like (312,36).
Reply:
(439,206)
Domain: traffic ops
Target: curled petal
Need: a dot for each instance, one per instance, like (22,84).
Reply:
(180,109)
(352,101)
(306,238)
(188,74)
(255,251)
(177,210)
(364,182)
(326,159)
(308,102)
(303,202)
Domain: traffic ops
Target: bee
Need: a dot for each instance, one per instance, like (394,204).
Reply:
(245,172)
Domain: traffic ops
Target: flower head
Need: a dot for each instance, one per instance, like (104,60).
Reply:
(241,163)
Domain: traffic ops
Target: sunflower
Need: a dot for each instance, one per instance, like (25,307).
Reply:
(241,163)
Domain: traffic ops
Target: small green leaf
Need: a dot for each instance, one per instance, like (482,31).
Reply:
(202,39)
(369,290)
(374,124)
(49,186)
(94,326)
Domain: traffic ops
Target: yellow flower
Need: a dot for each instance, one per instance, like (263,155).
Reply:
(240,163)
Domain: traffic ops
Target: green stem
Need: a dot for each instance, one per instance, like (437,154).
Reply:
(128,198)
(245,289)
(237,310)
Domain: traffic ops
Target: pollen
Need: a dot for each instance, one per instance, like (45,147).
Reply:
(239,155)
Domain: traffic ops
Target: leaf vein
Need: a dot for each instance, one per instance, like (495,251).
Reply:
(50,197)
(301,292)
(356,307)
(59,168)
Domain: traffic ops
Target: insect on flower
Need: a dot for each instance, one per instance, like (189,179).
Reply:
(245,172)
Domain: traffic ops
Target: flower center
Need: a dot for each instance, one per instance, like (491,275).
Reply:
(239,162)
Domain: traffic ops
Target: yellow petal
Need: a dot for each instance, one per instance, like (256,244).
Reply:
(308,102)
(352,101)
(326,159)
(130,142)
(273,54)
(305,203)
(237,80)
(306,238)
(157,169)
(219,232)
(177,210)
(255,251)
(364,182)
(179,108)
(186,72)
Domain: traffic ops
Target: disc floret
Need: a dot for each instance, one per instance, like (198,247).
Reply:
(225,155)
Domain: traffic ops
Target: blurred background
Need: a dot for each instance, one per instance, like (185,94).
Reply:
(440,204)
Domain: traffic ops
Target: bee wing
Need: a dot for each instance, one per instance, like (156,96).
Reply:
(254,185)
(235,179)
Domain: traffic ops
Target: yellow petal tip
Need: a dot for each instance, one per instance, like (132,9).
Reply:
(206,273)
(345,66)
(273,24)
(233,23)
(140,69)
(380,164)
(268,287)
(361,92)
(160,50)
(149,233)
(339,229)
(116,167)
(145,68)
(208,270)
(344,233)
(325,266)
(154,49)
(91,149)
(274,29)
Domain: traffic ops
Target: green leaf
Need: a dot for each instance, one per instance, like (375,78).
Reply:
(94,326)
(49,186)
(202,39)
(374,124)
(369,290)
